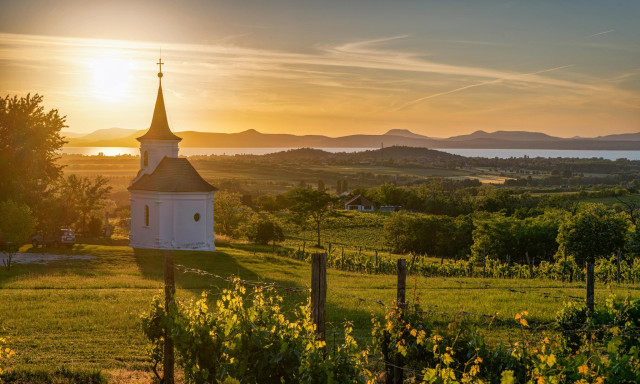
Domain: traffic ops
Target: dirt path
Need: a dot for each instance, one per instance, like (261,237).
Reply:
(44,258)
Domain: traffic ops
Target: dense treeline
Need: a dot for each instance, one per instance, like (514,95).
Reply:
(30,140)
(467,220)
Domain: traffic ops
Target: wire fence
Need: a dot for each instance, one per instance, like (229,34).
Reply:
(540,325)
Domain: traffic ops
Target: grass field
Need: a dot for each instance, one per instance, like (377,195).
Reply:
(84,313)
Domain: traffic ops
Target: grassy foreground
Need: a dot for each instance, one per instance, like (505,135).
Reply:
(83,312)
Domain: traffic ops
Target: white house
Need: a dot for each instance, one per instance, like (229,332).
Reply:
(359,203)
(171,204)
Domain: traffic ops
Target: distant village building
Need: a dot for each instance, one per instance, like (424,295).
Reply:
(359,203)
(171,204)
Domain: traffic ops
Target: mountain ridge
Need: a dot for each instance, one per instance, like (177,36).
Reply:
(252,138)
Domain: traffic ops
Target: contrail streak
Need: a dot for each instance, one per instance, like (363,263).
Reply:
(601,33)
(514,77)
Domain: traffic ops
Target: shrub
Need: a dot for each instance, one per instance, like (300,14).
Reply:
(249,337)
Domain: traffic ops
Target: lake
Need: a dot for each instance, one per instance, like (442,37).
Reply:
(473,152)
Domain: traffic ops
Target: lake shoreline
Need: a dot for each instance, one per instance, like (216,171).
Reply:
(466,152)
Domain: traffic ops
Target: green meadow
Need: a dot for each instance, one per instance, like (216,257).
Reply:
(81,310)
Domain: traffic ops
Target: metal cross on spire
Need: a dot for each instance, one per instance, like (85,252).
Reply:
(160,65)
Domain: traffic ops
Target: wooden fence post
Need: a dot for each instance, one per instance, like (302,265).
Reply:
(484,263)
(590,287)
(376,261)
(400,303)
(526,255)
(388,367)
(319,292)
(169,292)
(618,262)
(329,249)
(402,282)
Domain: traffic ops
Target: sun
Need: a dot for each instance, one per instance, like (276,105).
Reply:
(111,78)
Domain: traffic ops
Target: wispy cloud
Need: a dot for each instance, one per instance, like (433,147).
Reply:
(500,80)
(602,33)
(370,76)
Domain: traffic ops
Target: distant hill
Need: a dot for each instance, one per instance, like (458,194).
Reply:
(405,133)
(71,135)
(505,135)
(623,136)
(120,137)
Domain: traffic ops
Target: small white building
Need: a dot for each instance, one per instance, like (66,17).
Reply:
(171,204)
(359,203)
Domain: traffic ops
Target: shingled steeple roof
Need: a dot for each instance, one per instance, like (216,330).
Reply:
(173,174)
(159,129)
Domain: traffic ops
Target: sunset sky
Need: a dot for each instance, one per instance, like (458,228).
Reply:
(339,67)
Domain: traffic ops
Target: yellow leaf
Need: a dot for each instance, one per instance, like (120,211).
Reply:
(447,359)
(551,360)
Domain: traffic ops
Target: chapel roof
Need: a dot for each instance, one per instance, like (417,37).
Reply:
(359,200)
(159,129)
(173,174)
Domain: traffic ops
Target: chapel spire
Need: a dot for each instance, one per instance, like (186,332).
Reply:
(159,129)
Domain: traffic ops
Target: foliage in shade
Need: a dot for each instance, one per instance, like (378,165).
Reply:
(76,198)
(230,214)
(29,141)
(16,225)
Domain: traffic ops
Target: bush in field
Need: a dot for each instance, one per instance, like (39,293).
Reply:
(593,232)
(498,235)
(434,235)
(265,230)
(248,336)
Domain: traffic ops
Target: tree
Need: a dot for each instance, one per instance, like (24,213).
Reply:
(29,141)
(494,236)
(15,228)
(229,213)
(265,229)
(593,232)
(82,195)
(313,205)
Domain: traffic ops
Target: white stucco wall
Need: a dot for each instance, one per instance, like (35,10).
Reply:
(156,150)
(171,220)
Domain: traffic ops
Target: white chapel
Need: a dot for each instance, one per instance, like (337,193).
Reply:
(171,204)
